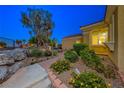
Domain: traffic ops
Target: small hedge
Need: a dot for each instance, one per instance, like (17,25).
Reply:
(79,46)
(60,66)
(109,72)
(48,53)
(92,60)
(36,52)
(3,44)
(54,53)
(71,56)
(87,80)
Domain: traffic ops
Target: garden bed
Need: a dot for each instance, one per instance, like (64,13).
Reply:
(80,65)
(83,68)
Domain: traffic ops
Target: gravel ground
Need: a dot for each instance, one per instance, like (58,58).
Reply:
(65,77)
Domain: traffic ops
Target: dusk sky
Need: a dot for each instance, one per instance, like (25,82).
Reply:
(67,19)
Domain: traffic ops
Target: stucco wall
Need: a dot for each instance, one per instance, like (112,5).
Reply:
(121,38)
(86,37)
(67,43)
(114,54)
(117,55)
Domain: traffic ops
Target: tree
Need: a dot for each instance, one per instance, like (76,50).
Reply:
(53,42)
(30,32)
(32,40)
(23,41)
(19,42)
(3,44)
(40,22)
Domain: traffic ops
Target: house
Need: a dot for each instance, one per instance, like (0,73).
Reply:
(95,35)
(108,34)
(67,42)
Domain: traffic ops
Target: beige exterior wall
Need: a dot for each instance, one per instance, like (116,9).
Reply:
(86,37)
(114,54)
(67,43)
(117,56)
(121,38)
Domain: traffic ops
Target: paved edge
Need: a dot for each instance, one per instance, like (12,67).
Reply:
(56,82)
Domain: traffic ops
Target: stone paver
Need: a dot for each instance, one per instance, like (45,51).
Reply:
(46,64)
(62,86)
(57,83)
(53,77)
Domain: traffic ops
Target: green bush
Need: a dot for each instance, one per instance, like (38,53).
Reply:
(3,44)
(87,80)
(48,53)
(54,53)
(32,40)
(99,68)
(92,60)
(60,66)
(36,52)
(79,46)
(109,72)
(71,56)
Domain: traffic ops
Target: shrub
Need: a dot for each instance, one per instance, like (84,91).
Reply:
(32,40)
(36,52)
(87,80)
(60,66)
(71,56)
(54,53)
(2,44)
(79,46)
(92,60)
(99,68)
(109,72)
(48,53)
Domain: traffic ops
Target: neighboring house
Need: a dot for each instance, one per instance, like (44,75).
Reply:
(67,42)
(8,42)
(110,34)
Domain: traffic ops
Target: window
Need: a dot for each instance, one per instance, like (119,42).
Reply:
(111,42)
(78,41)
(98,38)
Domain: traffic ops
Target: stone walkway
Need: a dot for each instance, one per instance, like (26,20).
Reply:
(46,64)
(56,82)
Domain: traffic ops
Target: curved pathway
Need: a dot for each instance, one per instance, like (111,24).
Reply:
(56,82)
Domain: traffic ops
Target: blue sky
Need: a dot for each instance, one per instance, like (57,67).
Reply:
(67,19)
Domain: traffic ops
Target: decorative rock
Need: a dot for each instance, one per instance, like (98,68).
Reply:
(15,67)
(6,59)
(27,77)
(18,54)
(11,56)
(3,72)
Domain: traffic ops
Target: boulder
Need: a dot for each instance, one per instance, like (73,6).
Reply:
(33,76)
(18,54)
(3,72)
(5,58)
(8,57)
(12,69)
